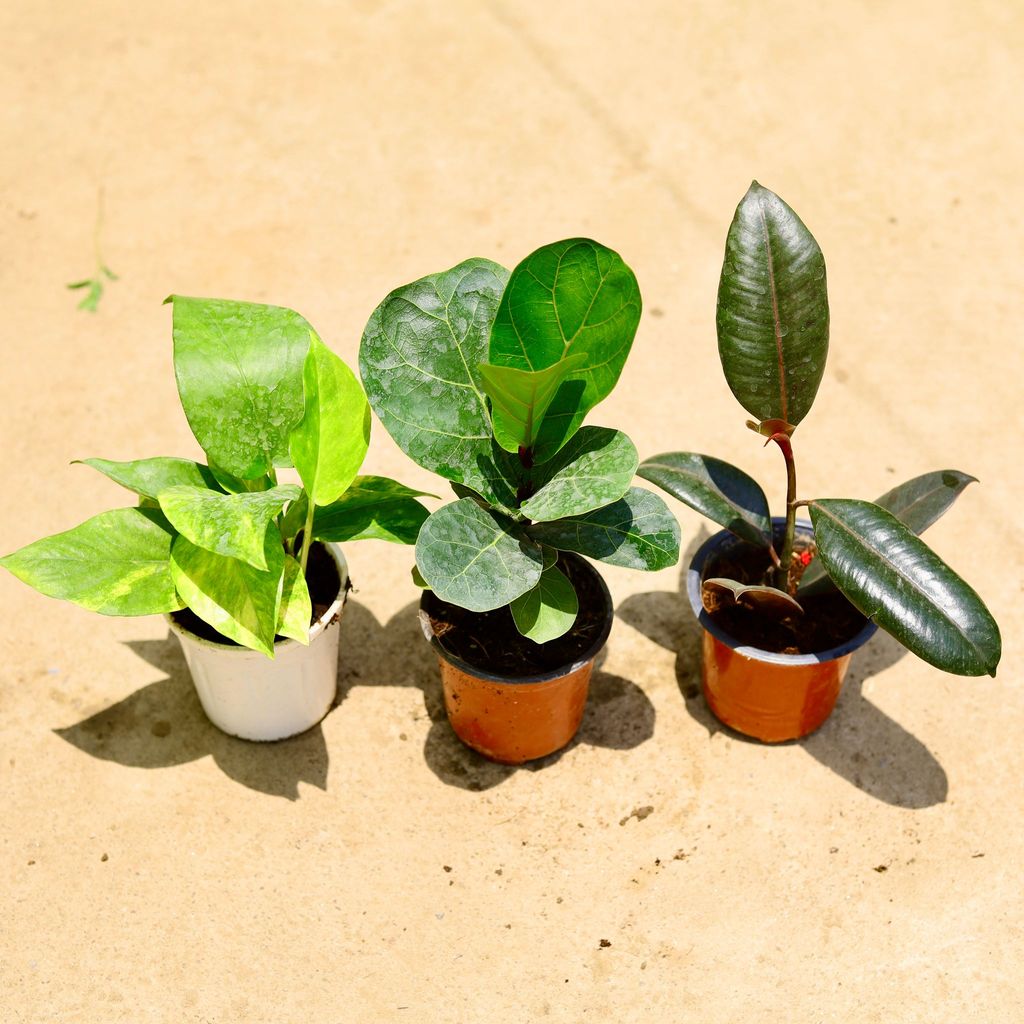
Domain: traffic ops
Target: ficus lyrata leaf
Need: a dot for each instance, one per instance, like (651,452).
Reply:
(549,610)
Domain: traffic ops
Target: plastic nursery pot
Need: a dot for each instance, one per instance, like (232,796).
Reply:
(248,695)
(512,719)
(772,697)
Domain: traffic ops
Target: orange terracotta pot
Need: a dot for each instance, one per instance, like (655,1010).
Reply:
(772,697)
(515,719)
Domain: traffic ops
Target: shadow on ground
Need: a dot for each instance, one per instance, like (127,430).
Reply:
(162,724)
(858,742)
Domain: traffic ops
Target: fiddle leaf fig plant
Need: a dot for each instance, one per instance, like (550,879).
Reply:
(773,330)
(227,540)
(485,377)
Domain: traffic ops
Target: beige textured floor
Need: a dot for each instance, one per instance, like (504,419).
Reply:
(318,154)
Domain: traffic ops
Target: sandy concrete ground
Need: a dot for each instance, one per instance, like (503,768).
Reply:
(317,154)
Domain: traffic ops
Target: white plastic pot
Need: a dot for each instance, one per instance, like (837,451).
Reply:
(246,694)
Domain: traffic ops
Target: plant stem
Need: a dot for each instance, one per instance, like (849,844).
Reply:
(307,536)
(786,558)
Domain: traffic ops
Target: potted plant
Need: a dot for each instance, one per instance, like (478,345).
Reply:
(247,569)
(784,604)
(485,377)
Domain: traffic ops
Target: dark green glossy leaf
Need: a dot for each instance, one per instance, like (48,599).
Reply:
(469,557)
(296,609)
(329,443)
(772,309)
(239,601)
(716,489)
(570,297)
(548,610)
(239,372)
(637,531)
(116,563)
(374,507)
(148,477)
(233,525)
(895,579)
(595,468)
(768,600)
(419,360)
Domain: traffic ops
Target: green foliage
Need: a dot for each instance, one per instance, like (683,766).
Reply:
(260,390)
(548,610)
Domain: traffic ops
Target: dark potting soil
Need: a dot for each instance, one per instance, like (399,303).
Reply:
(828,620)
(321,577)
(490,641)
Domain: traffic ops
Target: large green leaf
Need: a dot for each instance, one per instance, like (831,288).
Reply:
(896,580)
(917,503)
(240,602)
(520,398)
(233,525)
(595,468)
(469,557)
(716,489)
(115,563)
(374,507)
(296,607)
(548,610)
(329,444)
(570,297)
(637,531)
(419,360)
(239,372)
(148,477)
(772,309)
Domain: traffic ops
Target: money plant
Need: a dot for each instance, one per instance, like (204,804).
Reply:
(773,336)
(226,539)
(485,377)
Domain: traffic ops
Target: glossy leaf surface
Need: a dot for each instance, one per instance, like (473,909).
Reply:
(116,563)
(148,477)
(716,489)
(570,297)
(548,610)
(772,309)
(638,531)
(895,579)
(239,372)
(233,525)
(468,556)
(419,360)
(769,600)
(373,507)
(239,601)
(594,468)
(296,607)
(329,443)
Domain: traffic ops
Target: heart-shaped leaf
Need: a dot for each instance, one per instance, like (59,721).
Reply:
(329,443)
(772,310)
(419,360)
(148,477)
(549,610)
(638,531)
(520,398)
(769,600)
(917,504)
(896,580)
(240,602)
(233,525)
(469,557)
(594,469)
(374,507)
(296,607)
(716,489)
(240,363)
(570,297)
(116,563)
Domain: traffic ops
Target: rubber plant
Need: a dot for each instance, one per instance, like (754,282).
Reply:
(226,539)
(485,378)
(773,338)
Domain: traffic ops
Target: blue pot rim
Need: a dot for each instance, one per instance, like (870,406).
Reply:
(712,546)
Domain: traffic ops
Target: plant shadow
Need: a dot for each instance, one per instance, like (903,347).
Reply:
(858,742)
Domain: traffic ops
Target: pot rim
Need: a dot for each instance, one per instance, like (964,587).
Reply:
(318,627)
(693,592)
(544,677)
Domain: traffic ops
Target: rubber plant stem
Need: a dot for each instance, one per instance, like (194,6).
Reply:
(307,536)
(782,572)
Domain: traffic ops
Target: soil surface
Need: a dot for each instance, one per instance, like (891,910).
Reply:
(321,577)
(828,619)
(491,642)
